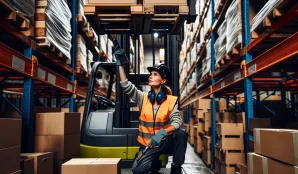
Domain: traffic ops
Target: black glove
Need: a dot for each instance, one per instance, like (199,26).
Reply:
(118,52)
(120,57)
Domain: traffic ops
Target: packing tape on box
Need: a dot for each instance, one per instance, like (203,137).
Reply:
(295,143)
(265,165)
(251,163)
(258,142)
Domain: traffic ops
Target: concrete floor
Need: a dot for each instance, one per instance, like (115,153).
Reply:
(193,164)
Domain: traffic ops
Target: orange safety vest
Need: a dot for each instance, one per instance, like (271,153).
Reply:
(149,125)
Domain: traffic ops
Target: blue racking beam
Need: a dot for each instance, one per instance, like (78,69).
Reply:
(74,10)
(27,108)
(247,81)
(213,102)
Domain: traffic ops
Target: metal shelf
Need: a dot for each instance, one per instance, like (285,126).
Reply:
(279,53)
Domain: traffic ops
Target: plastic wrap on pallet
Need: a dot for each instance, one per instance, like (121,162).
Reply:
(81,9)
(27,7)
(106,45)
(194,53)
(83,54)
(89,60)
(208,19)
(268,8)
(220,43)
(58,28)
(234,26)
(216,3)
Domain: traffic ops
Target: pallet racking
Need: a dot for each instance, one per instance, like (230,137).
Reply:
(34,72)
(270,49)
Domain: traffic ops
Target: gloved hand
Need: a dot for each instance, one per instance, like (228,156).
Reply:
(156,139)
(120,57)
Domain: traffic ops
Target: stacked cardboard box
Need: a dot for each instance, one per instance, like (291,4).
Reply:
(230,147)
(42,163)
(58,133)
(207,149)
(191,131)
(92,166)
(275,152)
(241,169)
(10,144)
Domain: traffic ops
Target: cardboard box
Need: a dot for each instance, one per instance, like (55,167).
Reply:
(200,127)
(200,114)
(229,129)
(203,104)
(111,3)
(43,162)
(207,142)
(10,132)
(207,156)
(225,169)
(207,120)
(241,168)
(221,105)
(165,2)
(92,166)
(240,118)
(217,152)
(195,130)
(10,159)
(57,123)
(259,123)
(58,166)
(63,146)
(27,165)
(198,144)
(230,157)
(280,144)
(227,117)
(231,143)
(258,164)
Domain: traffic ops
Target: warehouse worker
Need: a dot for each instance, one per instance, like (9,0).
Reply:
(159,121)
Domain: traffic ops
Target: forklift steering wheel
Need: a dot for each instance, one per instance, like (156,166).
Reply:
(105,101)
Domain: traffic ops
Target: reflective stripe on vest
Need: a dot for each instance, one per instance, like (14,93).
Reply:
(149,125)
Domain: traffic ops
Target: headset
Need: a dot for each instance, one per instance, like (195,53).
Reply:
(160,97)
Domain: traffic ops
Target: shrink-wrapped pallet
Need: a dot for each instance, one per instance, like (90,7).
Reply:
(89,60)
(83,53)
(58,28)
(220,43)
(27,7)
(106,45)
(265,11)
(234,26)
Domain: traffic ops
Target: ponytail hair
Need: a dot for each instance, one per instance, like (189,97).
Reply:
(166,89)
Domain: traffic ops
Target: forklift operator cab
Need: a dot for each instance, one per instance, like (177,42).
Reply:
(99,136)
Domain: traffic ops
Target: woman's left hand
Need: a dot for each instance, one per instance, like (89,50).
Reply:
(156,139)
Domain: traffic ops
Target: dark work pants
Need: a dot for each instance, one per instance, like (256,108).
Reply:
(175,144)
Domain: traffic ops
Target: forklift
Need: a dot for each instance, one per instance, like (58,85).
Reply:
(110,129)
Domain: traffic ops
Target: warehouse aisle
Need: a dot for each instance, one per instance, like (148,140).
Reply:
(193,164)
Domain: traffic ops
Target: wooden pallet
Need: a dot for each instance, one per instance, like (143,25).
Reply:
(229,56)
(164,17)
(40,31)
(16,18)
(79,68)
(117,18)
(88,31)
(270,18)
(205,77)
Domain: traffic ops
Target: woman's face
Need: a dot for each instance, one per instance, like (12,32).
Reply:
(155,79)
